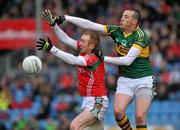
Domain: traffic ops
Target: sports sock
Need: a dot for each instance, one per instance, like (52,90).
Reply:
(141,127)
(124,123)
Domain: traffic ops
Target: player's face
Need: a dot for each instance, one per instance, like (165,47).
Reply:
(127,19)
(85,45)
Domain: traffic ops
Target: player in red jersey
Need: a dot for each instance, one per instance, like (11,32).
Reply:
(91,75)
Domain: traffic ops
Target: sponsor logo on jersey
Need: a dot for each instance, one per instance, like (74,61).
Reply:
(123,42)
(121,49)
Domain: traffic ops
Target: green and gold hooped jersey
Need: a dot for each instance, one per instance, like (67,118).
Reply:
(141,66)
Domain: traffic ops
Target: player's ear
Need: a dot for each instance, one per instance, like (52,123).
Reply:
(92,46)
(135,21)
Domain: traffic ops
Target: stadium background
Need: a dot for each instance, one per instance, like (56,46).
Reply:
(49,100)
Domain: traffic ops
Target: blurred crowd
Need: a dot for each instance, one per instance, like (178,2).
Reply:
(24,100)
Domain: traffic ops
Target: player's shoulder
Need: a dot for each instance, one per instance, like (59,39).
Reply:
(141,37)
(112,28)
(140,33)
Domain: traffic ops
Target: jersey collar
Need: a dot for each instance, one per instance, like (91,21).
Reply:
(128,34)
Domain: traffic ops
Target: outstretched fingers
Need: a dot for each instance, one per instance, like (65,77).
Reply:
(39,46)
(49,13)
(42,40)
(43,15)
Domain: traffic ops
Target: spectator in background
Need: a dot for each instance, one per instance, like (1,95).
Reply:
(64,122)
(21,124)
(44,111)
(66,82)
(2,127)
(22,99)
(5,95)
(51,124)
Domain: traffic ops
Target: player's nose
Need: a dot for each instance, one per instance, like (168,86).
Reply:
(122,18)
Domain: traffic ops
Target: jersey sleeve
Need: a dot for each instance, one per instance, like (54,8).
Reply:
(108,29)
(112,30)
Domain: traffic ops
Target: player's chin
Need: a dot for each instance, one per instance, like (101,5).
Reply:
(121,26)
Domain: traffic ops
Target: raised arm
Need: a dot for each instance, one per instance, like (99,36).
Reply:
(84,23)
(63,37)
(46,45)
(54,22)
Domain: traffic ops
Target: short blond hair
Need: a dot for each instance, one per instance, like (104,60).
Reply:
(94,37)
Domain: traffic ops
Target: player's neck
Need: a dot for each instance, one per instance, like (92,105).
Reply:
(87,52)
(130,29)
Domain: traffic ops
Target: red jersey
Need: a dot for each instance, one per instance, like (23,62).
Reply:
(91,77)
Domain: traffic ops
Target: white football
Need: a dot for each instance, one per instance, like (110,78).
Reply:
(32,64)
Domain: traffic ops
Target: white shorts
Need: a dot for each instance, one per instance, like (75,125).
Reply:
(97,105)
(130,86)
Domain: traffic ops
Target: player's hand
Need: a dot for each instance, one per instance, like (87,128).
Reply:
(46,14)
(52,20)
(98,53)
(44,45)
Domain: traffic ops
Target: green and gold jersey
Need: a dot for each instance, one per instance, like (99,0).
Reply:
(141,66)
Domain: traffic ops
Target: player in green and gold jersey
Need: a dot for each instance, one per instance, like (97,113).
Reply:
(140,67)
(135,80)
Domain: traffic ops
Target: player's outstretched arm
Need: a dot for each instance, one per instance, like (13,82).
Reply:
(46,45)
(64,38)
(68,58)
(84,23)
(124,60)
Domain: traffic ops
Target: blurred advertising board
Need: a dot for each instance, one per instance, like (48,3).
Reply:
(21,33)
